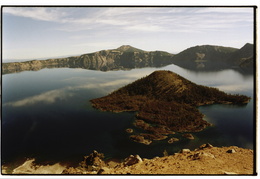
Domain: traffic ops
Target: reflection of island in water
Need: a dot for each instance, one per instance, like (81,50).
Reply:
(198,58)
(166,103)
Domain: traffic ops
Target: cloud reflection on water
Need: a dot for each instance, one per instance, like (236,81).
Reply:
(53,96)
(235,88)
(47,98)
(105,83)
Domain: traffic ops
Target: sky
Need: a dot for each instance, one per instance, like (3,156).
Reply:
(45,32)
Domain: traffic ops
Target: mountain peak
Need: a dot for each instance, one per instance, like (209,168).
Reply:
(248,46)
(125,47)
(128,48)
(159,84)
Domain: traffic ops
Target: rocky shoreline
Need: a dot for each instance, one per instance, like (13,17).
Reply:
(206,159)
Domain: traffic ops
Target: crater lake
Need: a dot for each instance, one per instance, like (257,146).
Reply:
(47,115)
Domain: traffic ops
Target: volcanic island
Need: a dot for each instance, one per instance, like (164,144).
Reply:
(165,103)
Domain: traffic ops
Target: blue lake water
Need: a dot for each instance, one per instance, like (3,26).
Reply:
(47,115)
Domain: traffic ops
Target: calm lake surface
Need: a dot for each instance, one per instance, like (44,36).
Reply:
(47,115)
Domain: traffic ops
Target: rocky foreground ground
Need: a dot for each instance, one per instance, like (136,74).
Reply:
(204,160)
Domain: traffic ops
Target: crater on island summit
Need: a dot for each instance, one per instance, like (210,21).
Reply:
(165,103)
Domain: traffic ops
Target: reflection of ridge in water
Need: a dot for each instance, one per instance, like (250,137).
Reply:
(99,67)
(101,61)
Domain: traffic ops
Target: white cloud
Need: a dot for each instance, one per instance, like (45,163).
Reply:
(124,12)
(138,19)
(95,46)
(37,13)
(72,28)
(87,29)
(114,22)
(145,28)
(225,10)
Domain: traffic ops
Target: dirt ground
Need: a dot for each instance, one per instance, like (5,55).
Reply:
(203,161)
(207,161)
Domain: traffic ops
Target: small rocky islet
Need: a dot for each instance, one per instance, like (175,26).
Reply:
(166,103)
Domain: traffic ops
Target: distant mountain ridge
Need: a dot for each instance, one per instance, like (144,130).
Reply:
(205,57)
(209,57)
(244,57)
(122,58)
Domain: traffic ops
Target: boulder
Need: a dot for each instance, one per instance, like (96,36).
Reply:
(231,151)
(201,155)
(131,160)
(230,173)
(205,146)
(165,153)
(29,167)
(185,150)
(104,170)
(93,162)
